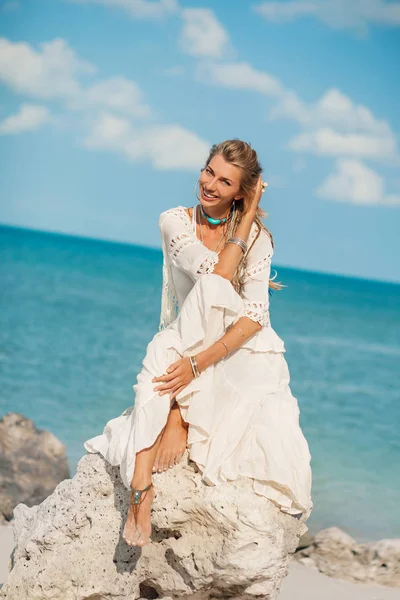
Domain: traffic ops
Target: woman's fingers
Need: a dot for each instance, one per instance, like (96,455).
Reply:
(168,385)
(174,394)
(165,377)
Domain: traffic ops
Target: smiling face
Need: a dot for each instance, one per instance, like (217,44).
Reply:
(219,184)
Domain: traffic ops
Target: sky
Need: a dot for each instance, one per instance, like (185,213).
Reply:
(108,109)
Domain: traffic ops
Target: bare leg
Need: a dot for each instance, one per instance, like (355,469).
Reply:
(173,441)
(138,533)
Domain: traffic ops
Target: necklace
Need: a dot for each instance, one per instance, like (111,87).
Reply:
(201,231)
(216,221)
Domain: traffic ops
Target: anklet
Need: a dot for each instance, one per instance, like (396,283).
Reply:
(137,499)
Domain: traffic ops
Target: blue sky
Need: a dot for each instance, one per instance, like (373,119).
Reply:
(108,108)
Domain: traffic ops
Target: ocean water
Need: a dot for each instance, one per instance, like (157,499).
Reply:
(76,316)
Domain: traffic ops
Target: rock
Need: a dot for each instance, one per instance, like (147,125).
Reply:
(305,540)
(207,541)
(338,555)
(32,461)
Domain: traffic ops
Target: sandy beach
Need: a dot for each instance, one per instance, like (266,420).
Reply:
(302,583)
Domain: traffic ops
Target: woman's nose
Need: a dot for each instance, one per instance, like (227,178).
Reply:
(212,184)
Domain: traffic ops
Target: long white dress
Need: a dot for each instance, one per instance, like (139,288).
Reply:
(243,419)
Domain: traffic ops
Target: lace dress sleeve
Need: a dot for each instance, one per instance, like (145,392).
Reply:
(185,251)
(255,291)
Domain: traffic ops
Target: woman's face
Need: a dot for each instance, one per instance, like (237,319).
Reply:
(219,184)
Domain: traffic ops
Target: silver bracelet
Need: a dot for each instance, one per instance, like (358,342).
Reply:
(194,365)
(239,242)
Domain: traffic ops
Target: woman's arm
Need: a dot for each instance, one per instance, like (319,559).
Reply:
(230,256)
(256,300)
(236,335)
(188,254)
(255,293)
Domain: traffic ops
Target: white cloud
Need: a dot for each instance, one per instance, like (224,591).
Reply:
(53,73)
(354,182)
(167,147)
(239,76)
(117,93)
(339,14)
(331,143)
(28,118)
(336,126)
(138,9)
(49,73)
(202,34)
(333,109)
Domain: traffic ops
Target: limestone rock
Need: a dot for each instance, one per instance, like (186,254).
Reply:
(33,462)
(338,555)
(220,541)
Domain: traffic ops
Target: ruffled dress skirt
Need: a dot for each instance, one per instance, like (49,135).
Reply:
(243,419)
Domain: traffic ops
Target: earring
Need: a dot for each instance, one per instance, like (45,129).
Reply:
(195,189)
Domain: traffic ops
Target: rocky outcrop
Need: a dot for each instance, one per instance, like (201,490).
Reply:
(335,553)
(207,542)
(32,461)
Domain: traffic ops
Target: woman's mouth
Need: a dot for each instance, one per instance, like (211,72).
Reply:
(208,195)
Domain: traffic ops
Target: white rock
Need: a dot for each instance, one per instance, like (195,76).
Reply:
(338,555)
(221,541)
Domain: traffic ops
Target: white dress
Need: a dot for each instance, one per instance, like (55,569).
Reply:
(243,419)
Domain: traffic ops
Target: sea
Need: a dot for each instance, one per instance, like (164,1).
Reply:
(76,317)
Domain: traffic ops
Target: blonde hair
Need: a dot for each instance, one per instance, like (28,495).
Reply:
(241,155)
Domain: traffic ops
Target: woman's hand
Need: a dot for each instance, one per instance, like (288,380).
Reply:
(253,201)
(177,377)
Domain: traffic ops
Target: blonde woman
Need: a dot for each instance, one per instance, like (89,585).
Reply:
(214,377)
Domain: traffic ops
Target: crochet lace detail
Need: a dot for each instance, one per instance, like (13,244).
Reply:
(208,264)
(179,242)
(185,239)
(257,311)
(169,300)
(259,266)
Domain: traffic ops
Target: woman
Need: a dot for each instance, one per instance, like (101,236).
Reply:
(214,378)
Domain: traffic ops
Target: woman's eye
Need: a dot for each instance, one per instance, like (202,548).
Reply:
(208,171)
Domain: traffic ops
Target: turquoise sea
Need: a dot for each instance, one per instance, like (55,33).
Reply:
(76,316)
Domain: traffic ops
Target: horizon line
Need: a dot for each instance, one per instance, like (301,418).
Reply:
(159,249)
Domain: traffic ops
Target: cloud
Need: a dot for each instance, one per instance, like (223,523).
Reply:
(53,73)
(28,118)
(48,74)
(167,147)
(333,108)
(138,9)
(239,76)
(202,34)
(336,126)
(354,182)
(331,143)
(338,14)
(117,93)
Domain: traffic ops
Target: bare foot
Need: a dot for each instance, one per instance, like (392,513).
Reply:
(137,533)
(173,441)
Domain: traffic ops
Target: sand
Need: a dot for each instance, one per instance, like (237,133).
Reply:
(302,583)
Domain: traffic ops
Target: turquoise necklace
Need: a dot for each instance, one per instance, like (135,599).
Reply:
(217,221)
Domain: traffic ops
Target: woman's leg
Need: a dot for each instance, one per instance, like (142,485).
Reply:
(138,533)
(173,441)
